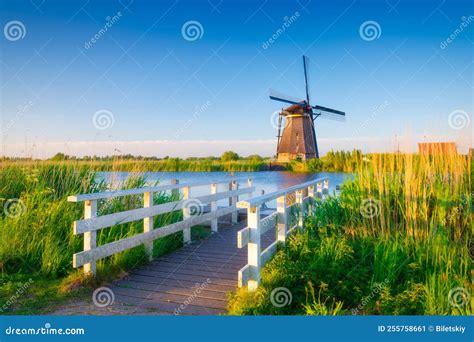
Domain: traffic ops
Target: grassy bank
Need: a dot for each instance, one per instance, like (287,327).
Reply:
(397,241)
(229,162)
(37,241)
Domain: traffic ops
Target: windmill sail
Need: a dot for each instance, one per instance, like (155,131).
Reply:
(298,138)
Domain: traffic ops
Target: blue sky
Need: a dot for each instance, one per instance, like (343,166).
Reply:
(164,93)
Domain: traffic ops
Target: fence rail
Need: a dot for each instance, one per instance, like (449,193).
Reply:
(281,220)
(91,222)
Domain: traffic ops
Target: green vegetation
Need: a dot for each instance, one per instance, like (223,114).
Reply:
(397,241)
(37,241)
(229,161)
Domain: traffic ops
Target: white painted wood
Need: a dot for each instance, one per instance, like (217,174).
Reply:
(301,209)
(244,275)
(312,200)
(253,218)
(90,238)
(214,208)
(82,226)
(282,225)
(250,184)
(175,192)
(186,214)
(109,249)
(268,253)
(268,223)
(257,201)
(319,189)
(326,187)
(148,223)
(233,200)
(243,237)
(139,191)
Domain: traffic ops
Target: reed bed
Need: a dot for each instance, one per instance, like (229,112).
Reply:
(398,240)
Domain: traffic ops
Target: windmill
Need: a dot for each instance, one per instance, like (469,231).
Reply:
(298,139)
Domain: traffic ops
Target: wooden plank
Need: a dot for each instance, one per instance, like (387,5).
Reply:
(90,238)
(96,223)
(139,191)
(173,267)
(258,201)
(243,237)
(254,248)
(189,291)
(182,276)
(244,276)
(109,249)
(202,273)
(154,280)
(148,223)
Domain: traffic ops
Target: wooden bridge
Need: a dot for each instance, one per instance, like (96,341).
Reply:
(195,279)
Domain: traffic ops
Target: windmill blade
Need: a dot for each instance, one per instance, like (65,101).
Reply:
(306,82)
(277,96)
(329,110)
(330,116)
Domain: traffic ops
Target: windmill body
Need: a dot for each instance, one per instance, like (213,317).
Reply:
(297,140)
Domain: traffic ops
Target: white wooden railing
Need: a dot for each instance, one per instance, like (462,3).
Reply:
(281,220)
(91,222)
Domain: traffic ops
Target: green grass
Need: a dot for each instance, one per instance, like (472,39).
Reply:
(37,241)
(404,259)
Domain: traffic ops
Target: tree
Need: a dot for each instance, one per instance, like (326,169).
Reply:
(59,157)
(229,156)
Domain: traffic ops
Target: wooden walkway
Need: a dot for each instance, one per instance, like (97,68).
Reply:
(193,280)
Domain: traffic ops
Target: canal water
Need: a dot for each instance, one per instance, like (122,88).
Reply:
(267,181)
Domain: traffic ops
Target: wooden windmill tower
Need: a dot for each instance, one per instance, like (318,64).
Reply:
(298,139)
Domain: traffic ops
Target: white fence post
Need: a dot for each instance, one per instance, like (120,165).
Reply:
(175,192)
(311,200)
(186,215)
(282,219)
(250,184)
(233,200)
(254,248)
(148,223)
(326,186)
(214,208)
(90,238)
(300,204)
(319,189)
